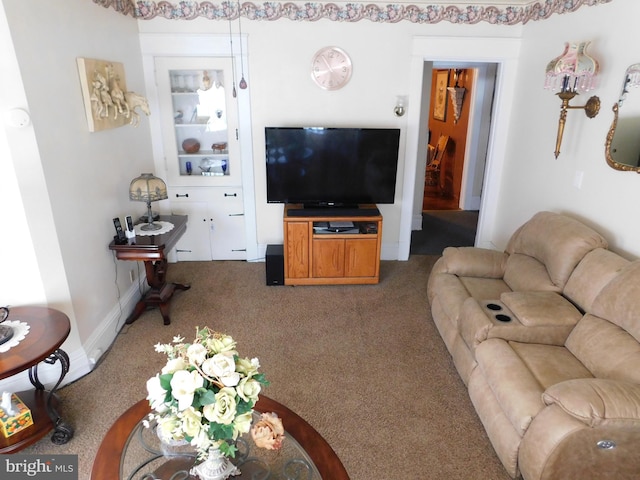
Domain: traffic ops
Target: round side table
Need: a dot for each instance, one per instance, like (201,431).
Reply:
(48,329)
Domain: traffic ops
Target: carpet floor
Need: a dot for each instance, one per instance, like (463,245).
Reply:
(444,228)
(364,365)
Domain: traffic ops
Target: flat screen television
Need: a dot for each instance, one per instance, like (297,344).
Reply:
(331,167)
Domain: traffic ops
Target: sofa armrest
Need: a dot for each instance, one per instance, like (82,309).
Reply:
(478,322)
(473,262)
(597,401)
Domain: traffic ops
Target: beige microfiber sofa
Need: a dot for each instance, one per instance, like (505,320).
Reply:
(546,336)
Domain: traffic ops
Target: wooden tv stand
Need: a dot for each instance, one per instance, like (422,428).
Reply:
(314,255)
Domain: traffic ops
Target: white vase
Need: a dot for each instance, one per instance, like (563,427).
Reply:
(215,467)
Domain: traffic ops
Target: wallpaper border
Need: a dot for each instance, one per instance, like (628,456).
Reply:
(348,12)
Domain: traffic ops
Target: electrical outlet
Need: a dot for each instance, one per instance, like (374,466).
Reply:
(577,179)
(132,275)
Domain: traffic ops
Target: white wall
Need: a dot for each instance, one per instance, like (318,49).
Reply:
(72,182)
(283,93)
(533,179)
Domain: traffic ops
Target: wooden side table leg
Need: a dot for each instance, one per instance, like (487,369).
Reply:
(160,292)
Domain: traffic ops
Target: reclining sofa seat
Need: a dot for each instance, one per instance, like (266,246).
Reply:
(558,385)
(539,257)
(569,411)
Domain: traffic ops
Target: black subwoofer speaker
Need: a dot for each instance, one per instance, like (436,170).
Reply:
(275,264)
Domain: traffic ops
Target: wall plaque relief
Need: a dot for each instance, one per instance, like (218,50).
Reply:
(107,102)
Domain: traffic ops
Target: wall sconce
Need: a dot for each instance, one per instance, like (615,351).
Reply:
(399,110)
(572,73)
(456,93)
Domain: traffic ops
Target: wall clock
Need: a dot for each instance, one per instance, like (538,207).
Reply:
(331,68)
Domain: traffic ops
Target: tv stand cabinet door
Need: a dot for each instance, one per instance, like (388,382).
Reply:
(361,257)
(328,258)
(296,241)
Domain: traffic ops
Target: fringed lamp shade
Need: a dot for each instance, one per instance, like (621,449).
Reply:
(573,71)
(148,188)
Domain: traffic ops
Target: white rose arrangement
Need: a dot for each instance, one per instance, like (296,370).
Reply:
(205,393)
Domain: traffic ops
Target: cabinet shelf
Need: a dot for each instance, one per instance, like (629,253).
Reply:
(203,153)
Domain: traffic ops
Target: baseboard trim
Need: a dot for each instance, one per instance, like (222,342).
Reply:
(83,360)
(416,222)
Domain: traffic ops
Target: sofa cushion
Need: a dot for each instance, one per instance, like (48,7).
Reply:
(535,309)
(474,262)
(619,301)
(550,364)
(525,273)
(595,271)
(510,381)
(597,401)
(607,350)
(484,288)
(518,374)
(558,241)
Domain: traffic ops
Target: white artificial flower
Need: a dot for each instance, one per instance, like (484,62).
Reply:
(248,389)
(197,354)
(156,395)
(201,441)
(222,343)
(223,367)
(242,424)
(191,422)
(169,427)
(178,339)
(247,367)
(223,410)
(174,365)
(183,387)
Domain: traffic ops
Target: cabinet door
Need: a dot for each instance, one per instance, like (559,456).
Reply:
(228,240)
(199,120)
(360,257)
(195,243)
(328,258)
(297,249)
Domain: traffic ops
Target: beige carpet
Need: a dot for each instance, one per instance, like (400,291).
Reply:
(364,365)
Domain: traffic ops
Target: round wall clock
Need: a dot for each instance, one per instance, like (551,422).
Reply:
(331,68)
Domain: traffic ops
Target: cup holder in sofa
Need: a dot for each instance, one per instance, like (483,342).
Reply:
(496,310)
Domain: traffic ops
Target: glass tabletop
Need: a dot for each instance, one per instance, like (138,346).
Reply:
(146,458)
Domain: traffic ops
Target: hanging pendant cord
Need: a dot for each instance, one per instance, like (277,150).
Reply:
(243,82)
(233,64)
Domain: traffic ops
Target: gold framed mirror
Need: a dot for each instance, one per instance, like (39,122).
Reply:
(622,147)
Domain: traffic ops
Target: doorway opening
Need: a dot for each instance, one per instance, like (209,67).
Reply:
(460,97)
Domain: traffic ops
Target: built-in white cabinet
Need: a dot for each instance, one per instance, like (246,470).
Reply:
(199,126)
(216,227)
(199,121)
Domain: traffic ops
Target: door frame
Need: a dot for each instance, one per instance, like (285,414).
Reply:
(425,51)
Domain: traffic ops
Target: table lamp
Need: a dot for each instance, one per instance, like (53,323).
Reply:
(148,188)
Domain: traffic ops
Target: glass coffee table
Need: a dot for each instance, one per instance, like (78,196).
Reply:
(131,451)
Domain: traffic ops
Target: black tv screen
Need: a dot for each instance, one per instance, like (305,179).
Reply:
(331,166)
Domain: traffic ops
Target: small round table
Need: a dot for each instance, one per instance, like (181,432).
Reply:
(304,451)
(48,329)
